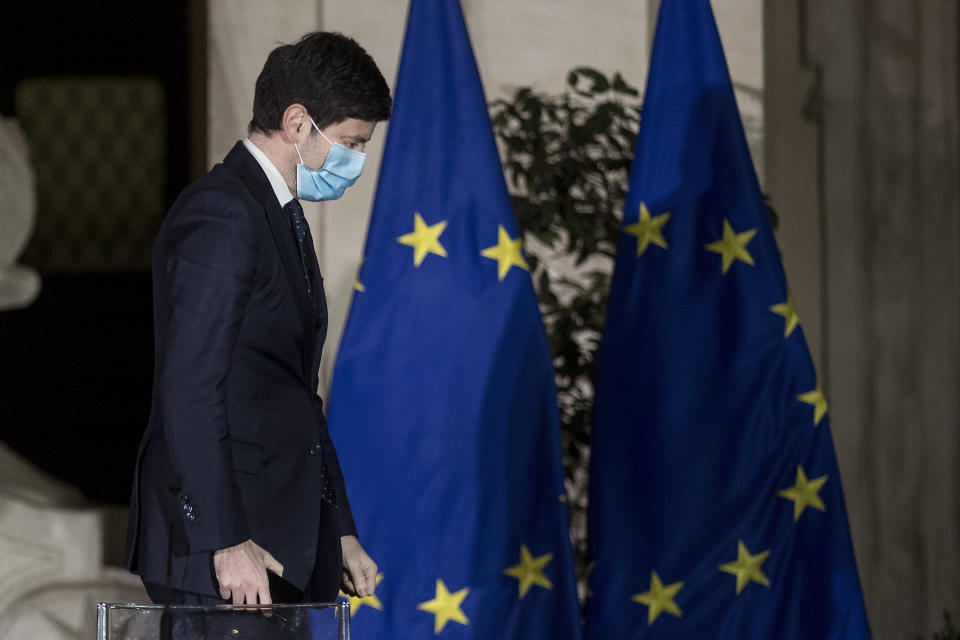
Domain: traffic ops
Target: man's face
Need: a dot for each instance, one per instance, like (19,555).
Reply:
(351,133)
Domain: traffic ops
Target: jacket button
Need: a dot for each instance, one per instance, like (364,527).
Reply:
(316,449)
(191,516)
(184,499)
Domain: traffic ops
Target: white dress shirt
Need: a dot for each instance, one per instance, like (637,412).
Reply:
(273,174)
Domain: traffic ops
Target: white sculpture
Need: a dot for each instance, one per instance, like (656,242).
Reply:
(53,554)
(19,285)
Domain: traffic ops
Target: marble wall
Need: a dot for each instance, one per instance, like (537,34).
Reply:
(863,159)
(891,216)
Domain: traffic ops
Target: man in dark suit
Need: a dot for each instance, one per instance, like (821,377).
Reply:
(236,473)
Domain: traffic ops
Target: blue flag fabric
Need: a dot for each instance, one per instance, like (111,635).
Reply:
(716,509)
(443,404)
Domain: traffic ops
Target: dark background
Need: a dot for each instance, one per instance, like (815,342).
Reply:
(76,366)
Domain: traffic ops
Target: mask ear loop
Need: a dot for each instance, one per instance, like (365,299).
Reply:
(329,141)
(320,132)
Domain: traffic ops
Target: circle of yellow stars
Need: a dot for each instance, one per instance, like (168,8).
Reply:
(659,598)
(732,247)
(748,567)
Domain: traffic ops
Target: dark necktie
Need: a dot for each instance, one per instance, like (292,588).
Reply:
(301,231)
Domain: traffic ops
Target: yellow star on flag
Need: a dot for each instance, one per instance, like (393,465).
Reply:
(530,571)
(733,246)
(357,285)
(371,601)
(506,252)
(445,606)
(805,493)
(659,598)
(818,401)
(424,239)
(648,229)
(747,567)
(789,312)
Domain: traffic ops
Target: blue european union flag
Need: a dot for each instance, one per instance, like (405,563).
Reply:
(443,405)
(716,509)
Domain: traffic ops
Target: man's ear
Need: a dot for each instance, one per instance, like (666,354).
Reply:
(295,125)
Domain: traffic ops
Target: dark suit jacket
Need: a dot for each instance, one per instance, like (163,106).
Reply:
(237,435)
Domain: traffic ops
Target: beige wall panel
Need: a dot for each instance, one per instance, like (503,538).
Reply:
(240,35)
(379,28)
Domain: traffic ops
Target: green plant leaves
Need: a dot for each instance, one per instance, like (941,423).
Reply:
(567,160)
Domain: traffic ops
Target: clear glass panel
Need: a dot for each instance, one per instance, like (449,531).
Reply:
(321,621)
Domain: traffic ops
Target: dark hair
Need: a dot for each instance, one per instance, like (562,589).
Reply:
(329,74)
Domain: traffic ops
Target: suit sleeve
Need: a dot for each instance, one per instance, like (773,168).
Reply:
(208,265)
(345,516)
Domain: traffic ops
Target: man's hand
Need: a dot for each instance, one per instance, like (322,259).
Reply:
(359,570)
(242,573)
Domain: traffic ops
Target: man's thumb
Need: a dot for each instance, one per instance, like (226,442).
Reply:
(272,563)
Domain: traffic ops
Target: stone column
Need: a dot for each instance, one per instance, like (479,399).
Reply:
(892,293)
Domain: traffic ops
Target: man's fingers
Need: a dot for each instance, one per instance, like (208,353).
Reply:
(241,571)
(360,571)
(370,577)
(361,584)
(364,586)
(361,580)
(264,594)
(348,587)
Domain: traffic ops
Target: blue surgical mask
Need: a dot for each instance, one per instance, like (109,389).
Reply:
(341,169)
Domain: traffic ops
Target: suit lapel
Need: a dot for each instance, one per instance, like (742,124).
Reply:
(250,172)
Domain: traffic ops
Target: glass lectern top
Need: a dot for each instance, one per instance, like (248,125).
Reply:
(317,621)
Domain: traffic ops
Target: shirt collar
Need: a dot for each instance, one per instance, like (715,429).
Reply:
(279,185)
